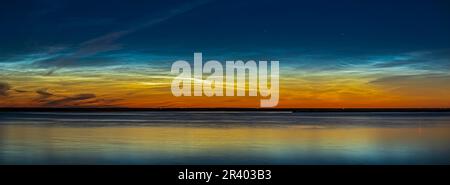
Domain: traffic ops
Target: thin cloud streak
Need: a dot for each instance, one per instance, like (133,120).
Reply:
(107,42)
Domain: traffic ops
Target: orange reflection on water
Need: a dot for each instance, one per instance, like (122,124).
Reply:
(177,144)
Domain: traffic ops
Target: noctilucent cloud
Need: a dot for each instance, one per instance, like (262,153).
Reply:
(346,53)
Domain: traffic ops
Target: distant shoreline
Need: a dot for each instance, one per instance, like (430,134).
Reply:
(15,109)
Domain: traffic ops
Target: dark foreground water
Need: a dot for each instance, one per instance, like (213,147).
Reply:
(224,138)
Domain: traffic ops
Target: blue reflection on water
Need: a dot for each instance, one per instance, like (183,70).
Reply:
(180,137)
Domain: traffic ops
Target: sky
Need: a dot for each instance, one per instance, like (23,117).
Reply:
(333,54)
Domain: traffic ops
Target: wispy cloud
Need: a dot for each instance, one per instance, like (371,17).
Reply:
(4,88)
(43,93)
(427,60)
(70,99)
(20,91)
(413,79)
(108,42)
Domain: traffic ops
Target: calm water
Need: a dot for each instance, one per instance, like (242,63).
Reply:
(224,138)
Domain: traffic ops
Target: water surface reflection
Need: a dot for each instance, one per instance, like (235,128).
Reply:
(274,138)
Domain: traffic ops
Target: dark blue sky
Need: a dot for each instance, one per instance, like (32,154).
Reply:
(344,27)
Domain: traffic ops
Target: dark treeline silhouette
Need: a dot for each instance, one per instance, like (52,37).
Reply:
(116,109)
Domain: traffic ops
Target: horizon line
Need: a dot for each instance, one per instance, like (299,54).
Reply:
(381,109)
